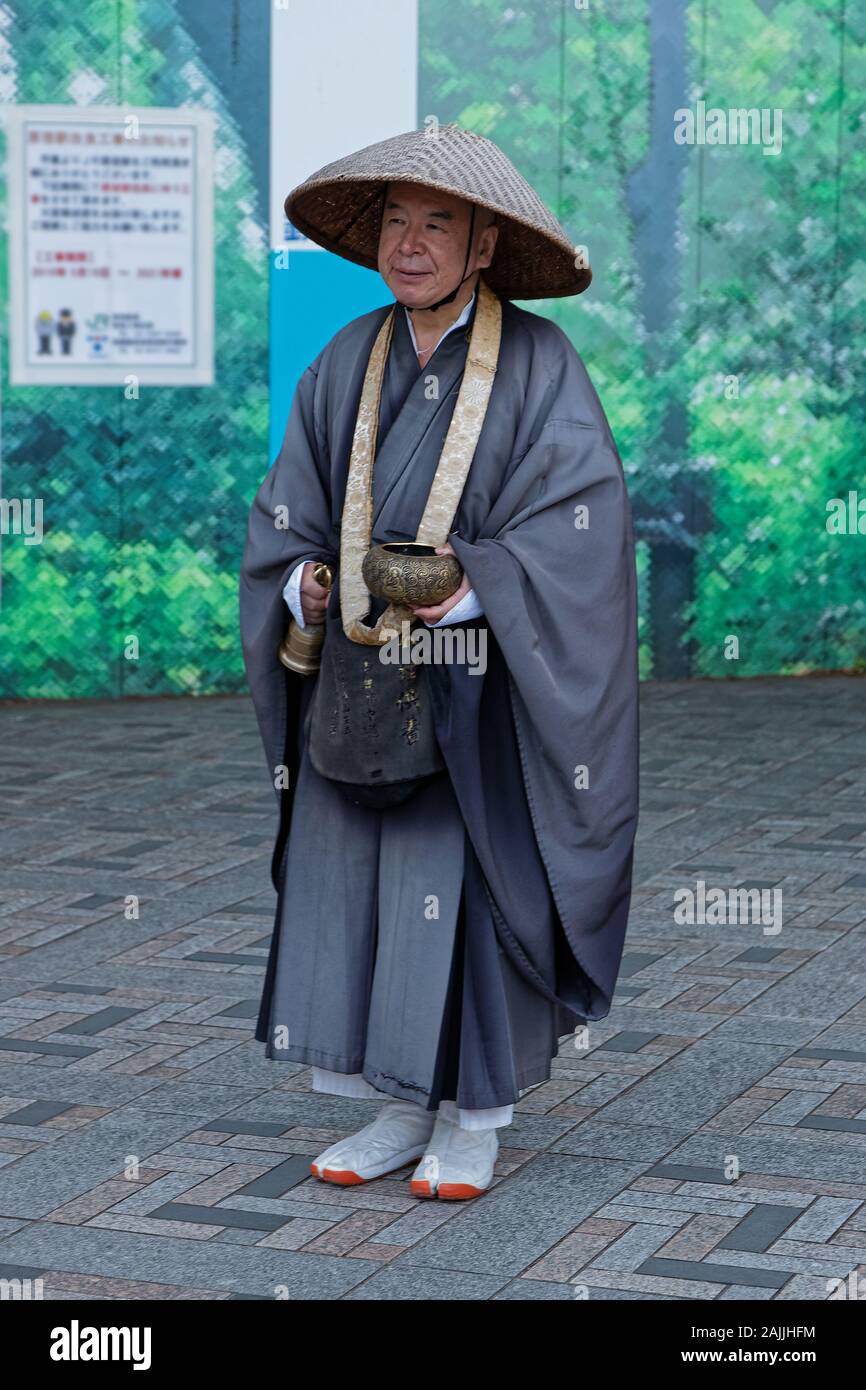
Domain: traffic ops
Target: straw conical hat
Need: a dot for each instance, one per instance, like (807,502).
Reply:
(340,207)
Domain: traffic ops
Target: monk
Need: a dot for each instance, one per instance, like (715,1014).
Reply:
(453,860)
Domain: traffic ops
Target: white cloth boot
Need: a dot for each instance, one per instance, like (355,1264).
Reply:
(397,1136)
(457,1163)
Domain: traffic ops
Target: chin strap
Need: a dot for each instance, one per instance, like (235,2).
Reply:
(449,298)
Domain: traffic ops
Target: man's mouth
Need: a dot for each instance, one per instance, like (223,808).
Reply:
(412,274)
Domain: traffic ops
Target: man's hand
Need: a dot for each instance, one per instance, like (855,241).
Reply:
(432,615)
(314,597)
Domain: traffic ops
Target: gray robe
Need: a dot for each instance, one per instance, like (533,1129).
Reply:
(527,839)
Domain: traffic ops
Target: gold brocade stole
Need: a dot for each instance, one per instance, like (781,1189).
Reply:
(356,527)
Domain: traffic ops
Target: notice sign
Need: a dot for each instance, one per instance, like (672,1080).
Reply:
(110,245)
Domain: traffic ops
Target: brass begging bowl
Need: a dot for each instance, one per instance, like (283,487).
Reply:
(410,572)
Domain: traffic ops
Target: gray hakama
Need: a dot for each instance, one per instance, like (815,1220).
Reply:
(370,964)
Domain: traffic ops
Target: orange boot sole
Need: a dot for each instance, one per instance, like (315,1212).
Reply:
(459,1191)
(420,1187)
(448,1191)
(344,1177)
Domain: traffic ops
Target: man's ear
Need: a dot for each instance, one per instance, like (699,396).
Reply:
(487,244)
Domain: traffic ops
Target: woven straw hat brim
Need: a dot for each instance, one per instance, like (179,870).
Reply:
(340,208)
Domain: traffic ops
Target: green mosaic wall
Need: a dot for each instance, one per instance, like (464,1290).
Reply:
(724,329)
(145,501)
(710,263)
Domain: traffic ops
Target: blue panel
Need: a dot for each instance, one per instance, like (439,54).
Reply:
(311,298)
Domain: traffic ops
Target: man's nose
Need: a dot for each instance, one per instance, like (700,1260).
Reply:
(409,240)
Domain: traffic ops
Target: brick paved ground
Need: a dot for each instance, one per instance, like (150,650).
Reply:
(129,1042)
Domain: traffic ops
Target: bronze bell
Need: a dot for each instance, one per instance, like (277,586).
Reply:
(301,648)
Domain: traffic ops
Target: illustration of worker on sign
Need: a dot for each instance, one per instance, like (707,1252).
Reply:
(44,326)
(66,330)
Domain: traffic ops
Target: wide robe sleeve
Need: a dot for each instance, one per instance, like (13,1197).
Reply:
(554,569)
(290,520)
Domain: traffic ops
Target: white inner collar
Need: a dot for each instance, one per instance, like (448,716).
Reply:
(467,310)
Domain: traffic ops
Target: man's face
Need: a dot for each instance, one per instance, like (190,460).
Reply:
(422,244)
